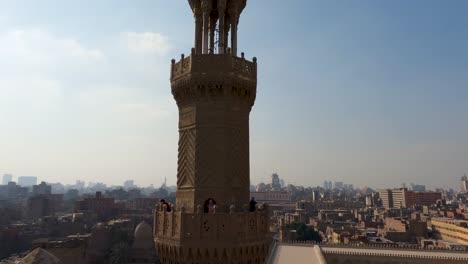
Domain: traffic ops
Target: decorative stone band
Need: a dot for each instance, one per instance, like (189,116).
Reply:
(216,63)
(234,227)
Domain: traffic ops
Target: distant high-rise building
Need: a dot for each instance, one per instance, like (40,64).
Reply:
(386,198)
(129,184)
(399,197)
(369,200)
(327,185)
(27,181)
(7,178)
(275,182)
(315,195)
(403,198)
(464,184)
(339,185)
(418,187)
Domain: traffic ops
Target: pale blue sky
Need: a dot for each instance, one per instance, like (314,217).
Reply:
(367,92)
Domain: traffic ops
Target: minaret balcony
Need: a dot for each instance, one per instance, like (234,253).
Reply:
(188,228)
(216,64)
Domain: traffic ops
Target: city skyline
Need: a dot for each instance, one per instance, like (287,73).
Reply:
(327,184)
(369,93)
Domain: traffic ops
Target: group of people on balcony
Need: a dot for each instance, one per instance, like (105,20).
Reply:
(208,208)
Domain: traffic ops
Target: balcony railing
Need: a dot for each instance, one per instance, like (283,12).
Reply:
(236,226)
(214,63)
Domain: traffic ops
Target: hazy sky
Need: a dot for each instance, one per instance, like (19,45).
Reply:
(368,92)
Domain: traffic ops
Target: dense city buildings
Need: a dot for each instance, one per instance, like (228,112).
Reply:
(99,205)
(77,226)
(418,187)
(27,181)
(72,226)
(6,179)
(272,196)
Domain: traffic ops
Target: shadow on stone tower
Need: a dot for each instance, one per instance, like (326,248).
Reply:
(215,91)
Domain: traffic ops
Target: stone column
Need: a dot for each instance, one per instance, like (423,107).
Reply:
(234,18)
(234,36)
(206,8)
(227,24)
(222,16)
(212,33)
(197,13)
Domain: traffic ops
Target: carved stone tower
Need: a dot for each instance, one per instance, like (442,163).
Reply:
(215,91)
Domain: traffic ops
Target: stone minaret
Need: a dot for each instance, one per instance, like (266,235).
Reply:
(214,90)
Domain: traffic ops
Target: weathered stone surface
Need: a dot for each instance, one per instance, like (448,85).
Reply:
(215,92)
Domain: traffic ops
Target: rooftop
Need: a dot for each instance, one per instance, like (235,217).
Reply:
(307,252)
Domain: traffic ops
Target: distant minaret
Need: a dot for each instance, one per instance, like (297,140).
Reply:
(464,184)
(215,91)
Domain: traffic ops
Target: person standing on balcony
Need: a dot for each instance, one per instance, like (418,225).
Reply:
(210,206)
(253,204)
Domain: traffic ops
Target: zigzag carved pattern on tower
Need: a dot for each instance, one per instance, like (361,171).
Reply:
(236,156)
(186,160)
(240,154)
(244,158)
(204,148)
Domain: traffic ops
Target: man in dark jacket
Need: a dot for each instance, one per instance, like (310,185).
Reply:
(253,204)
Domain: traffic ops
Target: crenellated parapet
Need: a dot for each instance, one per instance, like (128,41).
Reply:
(214,63)
(214,76)
(185,236)
(238,227)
